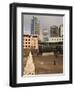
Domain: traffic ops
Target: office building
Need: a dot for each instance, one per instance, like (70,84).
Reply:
(54,31)
(35,26)
(61,30)
(45,35)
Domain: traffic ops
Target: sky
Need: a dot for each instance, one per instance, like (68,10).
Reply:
(45,21)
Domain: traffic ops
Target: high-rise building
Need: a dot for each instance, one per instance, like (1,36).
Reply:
(40,34)
(61,30)
(35,26)
(45,34)
(54,31)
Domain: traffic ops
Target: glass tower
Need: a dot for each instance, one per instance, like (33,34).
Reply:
(35,26)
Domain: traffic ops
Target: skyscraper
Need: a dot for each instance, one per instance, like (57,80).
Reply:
(54,31)
(35,26)
(45,34)
(61,30)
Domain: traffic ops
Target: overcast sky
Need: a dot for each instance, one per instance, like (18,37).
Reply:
(45,21)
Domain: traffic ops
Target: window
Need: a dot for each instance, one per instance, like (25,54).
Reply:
(26,46)
(26,42)
(29,46)
(28,39)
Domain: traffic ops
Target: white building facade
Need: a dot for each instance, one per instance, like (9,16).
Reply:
(55,39)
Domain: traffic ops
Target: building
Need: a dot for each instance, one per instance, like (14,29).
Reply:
(45,35)
(54,31)
(30,41)
(35,26)
(40,36)
(55,39)
(61,30)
